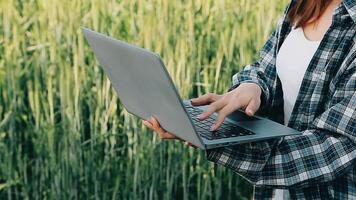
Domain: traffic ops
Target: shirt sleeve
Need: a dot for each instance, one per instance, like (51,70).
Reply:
(322,153)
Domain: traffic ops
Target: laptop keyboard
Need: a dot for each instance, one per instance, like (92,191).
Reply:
(226,130)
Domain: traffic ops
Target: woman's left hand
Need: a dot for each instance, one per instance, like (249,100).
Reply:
(154,125)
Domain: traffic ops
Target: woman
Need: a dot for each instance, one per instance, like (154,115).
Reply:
(307,72)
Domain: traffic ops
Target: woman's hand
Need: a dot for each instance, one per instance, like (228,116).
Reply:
(246,96)
(153,124)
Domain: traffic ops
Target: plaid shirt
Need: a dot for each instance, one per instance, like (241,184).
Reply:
(319,163)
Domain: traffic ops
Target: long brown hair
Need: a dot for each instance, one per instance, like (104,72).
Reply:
(307,11)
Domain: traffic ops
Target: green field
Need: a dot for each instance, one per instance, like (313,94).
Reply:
(63,132)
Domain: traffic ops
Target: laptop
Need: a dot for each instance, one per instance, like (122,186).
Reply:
(145,89)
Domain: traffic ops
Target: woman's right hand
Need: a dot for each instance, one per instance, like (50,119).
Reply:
(246,96)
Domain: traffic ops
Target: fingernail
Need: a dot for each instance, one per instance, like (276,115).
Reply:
(212,128)
(199,116)
(250,112)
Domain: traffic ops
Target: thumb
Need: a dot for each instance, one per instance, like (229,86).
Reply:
(252,107)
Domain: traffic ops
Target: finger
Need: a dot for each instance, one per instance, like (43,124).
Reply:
(148,124)
(167,135)
(227,110)
(252,107)
(155,123)
(205,99)
(190,144)
(211,109)
(155,129)
(162,133)
(156,126)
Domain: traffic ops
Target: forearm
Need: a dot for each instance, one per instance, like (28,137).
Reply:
(248,160)
(293,161)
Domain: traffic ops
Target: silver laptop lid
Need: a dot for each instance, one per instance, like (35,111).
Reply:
(142,84)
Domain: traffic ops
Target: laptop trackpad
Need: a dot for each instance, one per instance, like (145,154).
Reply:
(240,116)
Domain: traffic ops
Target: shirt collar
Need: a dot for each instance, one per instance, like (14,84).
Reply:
(350,6)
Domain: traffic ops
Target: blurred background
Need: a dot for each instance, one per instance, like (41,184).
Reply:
(63,132)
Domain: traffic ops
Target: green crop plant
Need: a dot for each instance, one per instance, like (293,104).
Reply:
(64,133)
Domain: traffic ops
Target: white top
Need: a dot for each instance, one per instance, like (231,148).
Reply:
(292,61)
